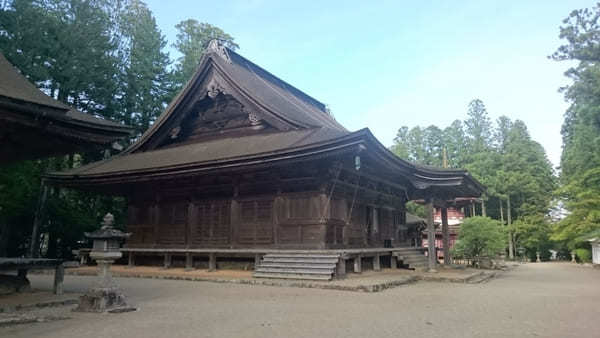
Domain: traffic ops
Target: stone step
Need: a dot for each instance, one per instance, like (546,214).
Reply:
(413,259)
(300,260)
(311,256)
(295,271)
(298,265)
(292,276)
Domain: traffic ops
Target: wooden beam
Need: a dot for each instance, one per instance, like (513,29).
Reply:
(377,179)
(445,237)
(430,235)
(353,186)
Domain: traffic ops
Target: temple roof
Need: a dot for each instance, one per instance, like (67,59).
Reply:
(299,127)
(35,125)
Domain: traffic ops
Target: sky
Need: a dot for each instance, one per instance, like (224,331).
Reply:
(388,64)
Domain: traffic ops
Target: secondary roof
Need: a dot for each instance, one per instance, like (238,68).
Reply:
(34,125)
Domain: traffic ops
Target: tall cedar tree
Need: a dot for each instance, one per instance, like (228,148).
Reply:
(192,40)
(580,161)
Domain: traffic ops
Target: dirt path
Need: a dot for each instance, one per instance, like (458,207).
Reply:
(534,300)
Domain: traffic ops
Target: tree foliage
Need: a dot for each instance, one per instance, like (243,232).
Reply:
(106,58)
(580,161)
(480,237)
(503,157)
(192,40)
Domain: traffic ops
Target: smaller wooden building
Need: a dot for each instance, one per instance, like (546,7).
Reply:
(34,125)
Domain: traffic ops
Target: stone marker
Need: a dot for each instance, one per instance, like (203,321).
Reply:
(105,296)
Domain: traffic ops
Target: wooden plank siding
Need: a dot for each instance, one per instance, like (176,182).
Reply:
(292,219)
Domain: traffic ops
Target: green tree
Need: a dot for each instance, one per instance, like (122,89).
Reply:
(145,79)
(66,48)
(192,40)
(532,233)
(478,127)
(479,237)
(580,160)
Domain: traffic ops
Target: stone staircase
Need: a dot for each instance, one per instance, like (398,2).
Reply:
(297,266)
(412,257)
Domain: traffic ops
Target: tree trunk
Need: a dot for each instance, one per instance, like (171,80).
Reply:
(501,211)
(511,252)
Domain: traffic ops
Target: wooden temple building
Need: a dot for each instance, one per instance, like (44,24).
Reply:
(243,163)
(34,125)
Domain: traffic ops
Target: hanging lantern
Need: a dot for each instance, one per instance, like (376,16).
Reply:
(357,162)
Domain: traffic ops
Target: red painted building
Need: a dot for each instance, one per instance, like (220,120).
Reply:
(456,215)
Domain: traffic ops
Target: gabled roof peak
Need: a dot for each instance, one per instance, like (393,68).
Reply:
(217,46)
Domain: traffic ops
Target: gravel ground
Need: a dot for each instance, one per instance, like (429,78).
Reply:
(534,300)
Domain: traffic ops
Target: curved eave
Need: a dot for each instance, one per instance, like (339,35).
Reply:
(341,145)
(425,177)
(88,131)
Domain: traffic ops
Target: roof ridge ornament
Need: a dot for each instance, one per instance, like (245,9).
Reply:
(218,47)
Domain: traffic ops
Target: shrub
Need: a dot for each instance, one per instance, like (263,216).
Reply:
(584,255)
(480,237)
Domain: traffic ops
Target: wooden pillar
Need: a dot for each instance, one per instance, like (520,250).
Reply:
(376,263)
(234,214)
(358,264)
(189,223)
(131,260)
(167,263)
(430,234)
(472,209)
(156,220)
(340,271)
(483,212)
(189,261)
(394,262)
(257,259)
(446,237)
(34,249)
(212,261)
(59,276)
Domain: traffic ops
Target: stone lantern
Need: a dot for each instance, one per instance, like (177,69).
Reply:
(105,296)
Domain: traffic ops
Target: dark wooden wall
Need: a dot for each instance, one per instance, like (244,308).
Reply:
(303,209)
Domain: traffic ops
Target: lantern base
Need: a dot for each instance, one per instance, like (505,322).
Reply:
(103,300)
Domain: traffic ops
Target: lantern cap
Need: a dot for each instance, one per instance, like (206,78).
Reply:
(107,231)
